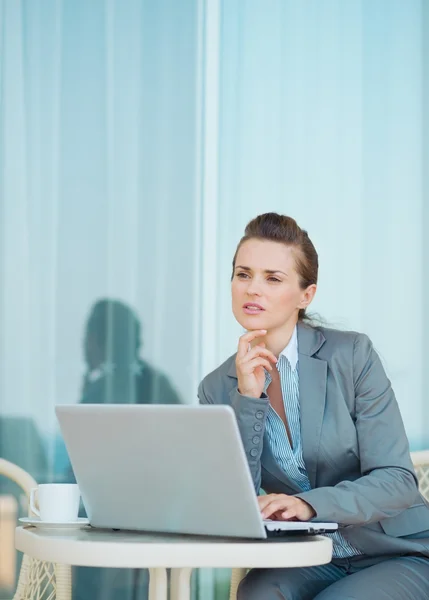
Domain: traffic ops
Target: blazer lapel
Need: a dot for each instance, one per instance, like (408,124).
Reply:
(312,395)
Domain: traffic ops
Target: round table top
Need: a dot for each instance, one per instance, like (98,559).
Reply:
(123,549)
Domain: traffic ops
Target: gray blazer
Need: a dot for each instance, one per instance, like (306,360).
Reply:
(354,443)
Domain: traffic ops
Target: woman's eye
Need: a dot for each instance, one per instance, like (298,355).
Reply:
(274,279)
(242,275)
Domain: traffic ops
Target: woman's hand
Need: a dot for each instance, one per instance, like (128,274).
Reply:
(280,507)
(250,364)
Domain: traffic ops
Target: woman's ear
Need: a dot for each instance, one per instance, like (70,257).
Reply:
(307,296)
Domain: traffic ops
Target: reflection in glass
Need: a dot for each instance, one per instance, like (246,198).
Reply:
(115,372)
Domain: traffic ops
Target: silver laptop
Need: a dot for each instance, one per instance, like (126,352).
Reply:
(171,469)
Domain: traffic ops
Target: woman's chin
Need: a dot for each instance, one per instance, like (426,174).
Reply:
(252,322)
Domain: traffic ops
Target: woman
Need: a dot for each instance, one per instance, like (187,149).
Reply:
(321,430)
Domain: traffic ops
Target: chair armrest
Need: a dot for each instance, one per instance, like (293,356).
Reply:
(18,475)
(236,576)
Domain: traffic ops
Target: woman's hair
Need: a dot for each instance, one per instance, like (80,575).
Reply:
(280,228)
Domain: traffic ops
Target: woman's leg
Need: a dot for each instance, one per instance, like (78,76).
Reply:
(401,578)
(288,584)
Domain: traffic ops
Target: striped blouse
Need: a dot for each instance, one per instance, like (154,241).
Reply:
(291,460)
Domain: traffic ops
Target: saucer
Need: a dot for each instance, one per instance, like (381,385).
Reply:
(36,522)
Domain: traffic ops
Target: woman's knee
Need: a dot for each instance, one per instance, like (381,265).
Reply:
(287,584)
(257,585)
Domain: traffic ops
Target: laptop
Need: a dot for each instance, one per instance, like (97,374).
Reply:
(169,469)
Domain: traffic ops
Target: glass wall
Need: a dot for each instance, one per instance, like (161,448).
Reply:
(98,216)
(137,138)
(324,117)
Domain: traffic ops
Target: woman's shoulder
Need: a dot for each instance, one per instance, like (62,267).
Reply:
(352,343)
(339,336)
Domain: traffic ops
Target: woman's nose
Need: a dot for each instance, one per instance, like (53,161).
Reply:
(254,288)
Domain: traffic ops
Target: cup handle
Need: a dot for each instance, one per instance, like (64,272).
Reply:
(33,508)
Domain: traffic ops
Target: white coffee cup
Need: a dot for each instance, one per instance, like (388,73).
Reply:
(58,502)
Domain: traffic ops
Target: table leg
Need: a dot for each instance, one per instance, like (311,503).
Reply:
(63,579)
(157,584)
(180,588)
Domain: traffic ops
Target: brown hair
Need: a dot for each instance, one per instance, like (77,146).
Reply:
(283,229)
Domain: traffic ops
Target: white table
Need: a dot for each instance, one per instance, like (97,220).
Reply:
(157,552)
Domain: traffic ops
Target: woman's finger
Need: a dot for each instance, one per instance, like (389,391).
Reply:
(249,367)
(263,501)
(244,341)
(278,516)
(289,514)
(281,504)
(259,351)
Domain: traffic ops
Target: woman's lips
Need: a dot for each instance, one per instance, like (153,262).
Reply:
(253,309)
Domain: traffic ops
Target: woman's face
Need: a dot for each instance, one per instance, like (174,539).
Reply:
(265,286)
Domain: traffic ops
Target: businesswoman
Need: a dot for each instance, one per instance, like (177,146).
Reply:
(321,430)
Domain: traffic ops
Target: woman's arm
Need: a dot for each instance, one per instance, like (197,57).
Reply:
(246,398)
(251,414)
(388,484)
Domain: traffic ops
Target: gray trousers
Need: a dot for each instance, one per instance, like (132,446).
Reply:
(356,578)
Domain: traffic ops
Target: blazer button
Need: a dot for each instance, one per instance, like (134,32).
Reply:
(257,427)
(256,439)
(259,414)
(253,452)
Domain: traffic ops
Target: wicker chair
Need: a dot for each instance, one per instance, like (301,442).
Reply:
(37,579)
(421,466)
